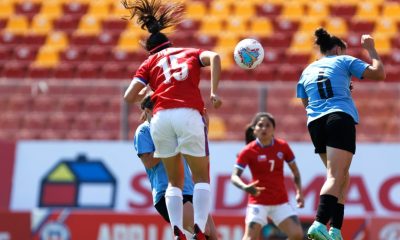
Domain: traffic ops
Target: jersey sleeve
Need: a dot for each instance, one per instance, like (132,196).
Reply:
(242,160)
(199,52)
(356,66)
(142,73)
(289,155)
(301,91)
(142,141)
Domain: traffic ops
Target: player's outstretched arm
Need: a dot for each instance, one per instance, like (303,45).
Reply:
(375,71)
(212,59)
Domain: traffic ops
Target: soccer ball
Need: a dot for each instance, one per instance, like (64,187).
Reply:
(248,53)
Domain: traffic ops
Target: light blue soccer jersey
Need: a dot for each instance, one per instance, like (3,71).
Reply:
(326,84)
(157,175)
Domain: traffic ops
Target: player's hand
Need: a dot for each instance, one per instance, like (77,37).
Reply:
(300,200)
(367,42)
(253,189)
(215,100)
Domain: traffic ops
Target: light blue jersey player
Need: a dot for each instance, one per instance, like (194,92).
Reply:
(326,84)
(157,175)
(324,89)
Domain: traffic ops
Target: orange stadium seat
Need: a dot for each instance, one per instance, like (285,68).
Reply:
(386,26)
(261,26)
(51,9)
(74,8)
(367,10)
(99,9)
(269,9)
(211,26)
(18,24)
(391,10)
(89,25)
(337,26)
(244,9)
(196,10)
(237,26)
(293,10)
(309,23)
(317,10)
(7,9)
(219,8)
(47,57)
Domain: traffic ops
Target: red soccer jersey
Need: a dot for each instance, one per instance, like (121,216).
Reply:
(266,165)
(174,75)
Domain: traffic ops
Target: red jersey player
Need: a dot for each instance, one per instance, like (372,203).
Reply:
(177,126)
(265,156)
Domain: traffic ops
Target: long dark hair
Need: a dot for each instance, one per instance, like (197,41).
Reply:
(154,16)
(326,42)
(249,132)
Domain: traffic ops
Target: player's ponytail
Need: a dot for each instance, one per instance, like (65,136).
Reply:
(326,42)
(153,16)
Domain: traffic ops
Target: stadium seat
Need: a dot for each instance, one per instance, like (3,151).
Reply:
(19,103)
(75,134)
(64,70)
(236,26)
(128,41)
(35,40)
(244,9)
(318,10)
(219,8)
(44,103)
(10,121)
(47,57)
(269,9)
(17,24)
(107,39)
(227,40)
(66,23)
(391,9)
(73,54)
(80,39)
(116,25)
(85,121)
(28,9)
(88,70)
(342,10)
(75,8)
(288,72)
(386,26)
(265,72)
(50,134)
(33,121)
(89,25)
(99,9)
(41,24)
(51,9)
(361,25)
(14,69)
(292,10)
(109,122)
(211,26)
(261,27)
(115,71)
(302,42)
(39,72)
(309,23)
(6,53)
(10,39)
(97,54)
(367,10)
(285,25)
(337,26)
(71,104)
(57,40)
(7,9)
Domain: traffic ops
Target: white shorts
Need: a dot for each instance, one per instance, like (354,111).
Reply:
(259,213)
(179,130)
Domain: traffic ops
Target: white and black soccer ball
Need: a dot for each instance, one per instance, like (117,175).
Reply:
(248,54)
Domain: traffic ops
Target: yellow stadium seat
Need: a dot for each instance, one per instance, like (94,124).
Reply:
(118,10)
(41,24)
(367,10)
(226,54)
(7,9)
(302,42)
(99,9)
(244,9)
(386,26)
(17,24)
(337,27)
(292,10)
(391,10)
(47,57)
(52,9)
(382,43)
(89,24)
(219,8)
(309,24)
(196,10)
(128,41)
(217,128)
(317,9)
(228,40)
(57,40)
(261,26)
(236,25)
(211,26)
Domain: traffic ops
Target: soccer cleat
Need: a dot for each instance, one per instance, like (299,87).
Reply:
(178,234)
(198,234)
(318,231)
(335,234)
